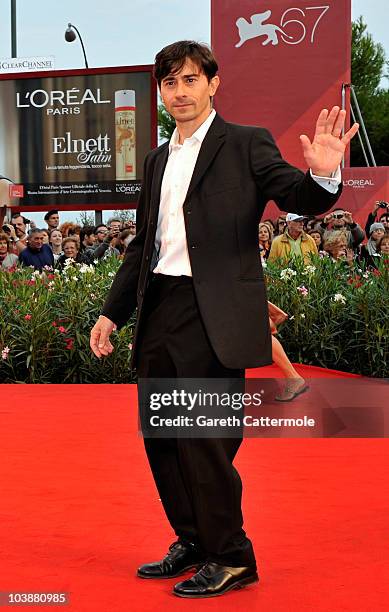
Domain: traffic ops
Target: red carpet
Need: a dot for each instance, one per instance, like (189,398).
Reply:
(79,511)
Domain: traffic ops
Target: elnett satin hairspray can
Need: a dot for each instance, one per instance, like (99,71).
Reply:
(125,134)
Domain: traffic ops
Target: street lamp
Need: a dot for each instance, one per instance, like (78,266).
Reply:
(70,36)
(13,29)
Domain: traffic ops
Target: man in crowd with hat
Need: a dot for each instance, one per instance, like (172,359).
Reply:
(294,242)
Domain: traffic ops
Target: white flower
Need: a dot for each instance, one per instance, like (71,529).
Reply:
(309,270)
(36,273)
(51,284)
(302,316)
(95,261)
(111,273)
(287,274)
(4,352)
(338,297)
(68,262)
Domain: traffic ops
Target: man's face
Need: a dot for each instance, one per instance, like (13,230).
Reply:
(385,221)
(90,240)
(35,241)
(281,224)
(114,228)
(19,225)
(53,221)
(101,234)
(338,219)
(295,227)
(186,94)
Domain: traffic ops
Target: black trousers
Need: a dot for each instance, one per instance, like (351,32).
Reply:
(199,487)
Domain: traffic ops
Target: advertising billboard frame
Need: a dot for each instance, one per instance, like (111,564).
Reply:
(146,68)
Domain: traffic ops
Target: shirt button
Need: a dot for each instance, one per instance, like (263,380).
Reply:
(188,212)
(193,246)
(147,258)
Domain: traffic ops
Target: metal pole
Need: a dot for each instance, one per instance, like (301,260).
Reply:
(13,29)
(360,138)
(355,100)
(82,45)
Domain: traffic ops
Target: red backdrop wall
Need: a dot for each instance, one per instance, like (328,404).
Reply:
(294,64)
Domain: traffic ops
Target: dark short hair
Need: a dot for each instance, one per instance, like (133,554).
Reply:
(49,214)
(87,230)
(36,230)
(171,59)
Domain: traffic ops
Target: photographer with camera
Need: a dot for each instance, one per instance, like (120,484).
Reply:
(17,232)
(340,220)
(373,216)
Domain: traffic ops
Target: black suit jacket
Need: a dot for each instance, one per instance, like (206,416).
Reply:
(239,168)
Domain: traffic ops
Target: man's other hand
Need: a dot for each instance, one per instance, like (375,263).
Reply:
(99,336)
(324,154)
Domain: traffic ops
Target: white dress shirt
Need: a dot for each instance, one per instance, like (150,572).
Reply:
(170,237)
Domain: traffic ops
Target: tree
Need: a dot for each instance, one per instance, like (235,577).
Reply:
(368,64)
(85,218)
(166,123)
(127,214)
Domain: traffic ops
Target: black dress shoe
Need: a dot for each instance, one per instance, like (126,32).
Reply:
(214,579)
(180,558)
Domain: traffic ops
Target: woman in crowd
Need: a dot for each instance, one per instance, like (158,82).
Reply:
(317,238)
(335,245)
(265,236)
(71,250)
(69,229)
(280,225)
(7,259)
(368,253)
(56,244)
(383,246)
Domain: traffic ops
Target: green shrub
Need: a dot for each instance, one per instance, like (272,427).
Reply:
(338,318)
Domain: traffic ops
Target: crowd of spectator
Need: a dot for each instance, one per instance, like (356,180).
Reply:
(336,235)
(59,245)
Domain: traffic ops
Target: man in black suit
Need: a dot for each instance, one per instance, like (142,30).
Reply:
(194,274)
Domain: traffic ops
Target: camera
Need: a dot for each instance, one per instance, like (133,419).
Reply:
(6,229)
(383,204)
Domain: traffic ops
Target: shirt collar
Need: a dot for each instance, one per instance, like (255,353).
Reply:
(198,135)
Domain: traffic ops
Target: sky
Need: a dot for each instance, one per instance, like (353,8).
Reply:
(128,32)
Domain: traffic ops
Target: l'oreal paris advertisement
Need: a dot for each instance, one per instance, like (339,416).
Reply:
(77,139)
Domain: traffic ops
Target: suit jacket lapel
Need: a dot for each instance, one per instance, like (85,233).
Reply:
(212,142)
(156,183)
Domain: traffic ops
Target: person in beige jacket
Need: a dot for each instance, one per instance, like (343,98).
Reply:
(294,242)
